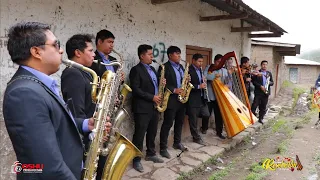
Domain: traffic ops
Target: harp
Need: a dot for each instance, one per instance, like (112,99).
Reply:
(234,106)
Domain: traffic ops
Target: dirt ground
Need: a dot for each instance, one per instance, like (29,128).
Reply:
(289,135)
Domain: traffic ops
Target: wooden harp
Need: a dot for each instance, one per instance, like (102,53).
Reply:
(234,107)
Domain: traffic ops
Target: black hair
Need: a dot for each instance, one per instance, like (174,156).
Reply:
(244,60)
(197,56)
(264,61)
(173,49)
(143,48)
(23,36)
(217,57)
(78,41)
(104,34)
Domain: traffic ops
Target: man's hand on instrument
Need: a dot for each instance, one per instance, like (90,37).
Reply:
(107,130)
(156,99)
(203,86)
(189,78)
(263,88)
(204,79)
(177,91)
(123,76)
(164,81)
(218,76)
(248,79)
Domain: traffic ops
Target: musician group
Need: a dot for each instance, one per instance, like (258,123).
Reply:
(55,129)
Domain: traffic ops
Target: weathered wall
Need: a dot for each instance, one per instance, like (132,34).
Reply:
(306,74)
(260,53)
(132,22)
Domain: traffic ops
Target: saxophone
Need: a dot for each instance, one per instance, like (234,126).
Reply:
(163,92)
(104,108)
(186,86)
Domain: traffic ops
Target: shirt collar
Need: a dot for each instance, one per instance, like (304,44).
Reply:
(47,80)
(173,63)
(196,68)
(146,65)
(103,56)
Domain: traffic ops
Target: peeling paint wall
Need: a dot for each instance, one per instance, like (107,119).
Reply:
(132,22)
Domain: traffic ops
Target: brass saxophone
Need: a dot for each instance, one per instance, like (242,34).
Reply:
(186,86)
(163,92)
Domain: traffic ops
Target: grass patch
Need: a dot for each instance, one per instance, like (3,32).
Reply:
(317,158)
(257,172)
(221,173)
(286,84)
(283,147)
(278,125)
(297,91)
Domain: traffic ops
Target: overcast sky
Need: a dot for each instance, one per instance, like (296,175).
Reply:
(301,19)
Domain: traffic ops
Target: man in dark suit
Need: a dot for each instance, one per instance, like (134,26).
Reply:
(175,111)
(76,87)
(44,131)
(144,82)
(104,44)
(197,106)
(260,94)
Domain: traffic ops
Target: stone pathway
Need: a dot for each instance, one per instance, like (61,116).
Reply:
(197,154)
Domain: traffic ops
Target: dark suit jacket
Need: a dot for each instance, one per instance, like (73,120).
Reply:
(195,99)
(171,84)
(142,89)
(258,81)
(41,130)
(76,91)
(100,69)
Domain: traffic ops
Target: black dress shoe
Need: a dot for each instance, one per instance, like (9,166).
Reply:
(203,131)
(221,136)
(199,141)
(154,159)
(260,121)
(165,153)
(180,146)
(138,166)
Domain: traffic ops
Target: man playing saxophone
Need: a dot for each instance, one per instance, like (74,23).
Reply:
(262,90)
(104,43)
(175,112)
(144,82)
(44,131)
(197,105)
(75,84)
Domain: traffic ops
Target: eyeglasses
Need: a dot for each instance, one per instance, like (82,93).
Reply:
(56,44)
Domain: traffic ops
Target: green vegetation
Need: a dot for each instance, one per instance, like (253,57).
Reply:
(257,172)
(287,83)
(283,147)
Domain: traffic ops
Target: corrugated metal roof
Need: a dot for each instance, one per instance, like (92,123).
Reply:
(298,61)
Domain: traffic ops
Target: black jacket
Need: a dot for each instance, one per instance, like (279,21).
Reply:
(258,81)
(76,91)
(41,129)
(195,99)
(142,89)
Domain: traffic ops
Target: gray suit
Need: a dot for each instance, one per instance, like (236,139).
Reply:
(41,130)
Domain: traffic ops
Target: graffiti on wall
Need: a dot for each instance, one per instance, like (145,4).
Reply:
(159,51)
(4,39)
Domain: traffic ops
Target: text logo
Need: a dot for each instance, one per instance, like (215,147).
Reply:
(18,167)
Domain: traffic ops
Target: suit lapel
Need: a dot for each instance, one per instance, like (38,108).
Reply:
(145,72)
(173,74)
(193,74)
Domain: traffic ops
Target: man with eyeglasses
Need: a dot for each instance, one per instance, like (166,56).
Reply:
(144,82)
(44,130)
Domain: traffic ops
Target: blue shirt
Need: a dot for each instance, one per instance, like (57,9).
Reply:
(106,61)
(264,77)
(153,77)
(53,85)
(199,76)
(179,72)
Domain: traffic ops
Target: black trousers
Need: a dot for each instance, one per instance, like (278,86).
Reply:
(145,123)
(260,100)
(177,115)
(217,116)
(194,113)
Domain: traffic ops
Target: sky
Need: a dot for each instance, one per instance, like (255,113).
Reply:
(299,18)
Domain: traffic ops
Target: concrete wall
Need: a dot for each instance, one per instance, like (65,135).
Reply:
(306,74)
(132,22)
(260,53)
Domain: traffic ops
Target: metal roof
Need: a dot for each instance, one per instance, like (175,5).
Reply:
(293,60)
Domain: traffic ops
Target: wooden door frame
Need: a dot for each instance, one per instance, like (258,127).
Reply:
(198,48)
